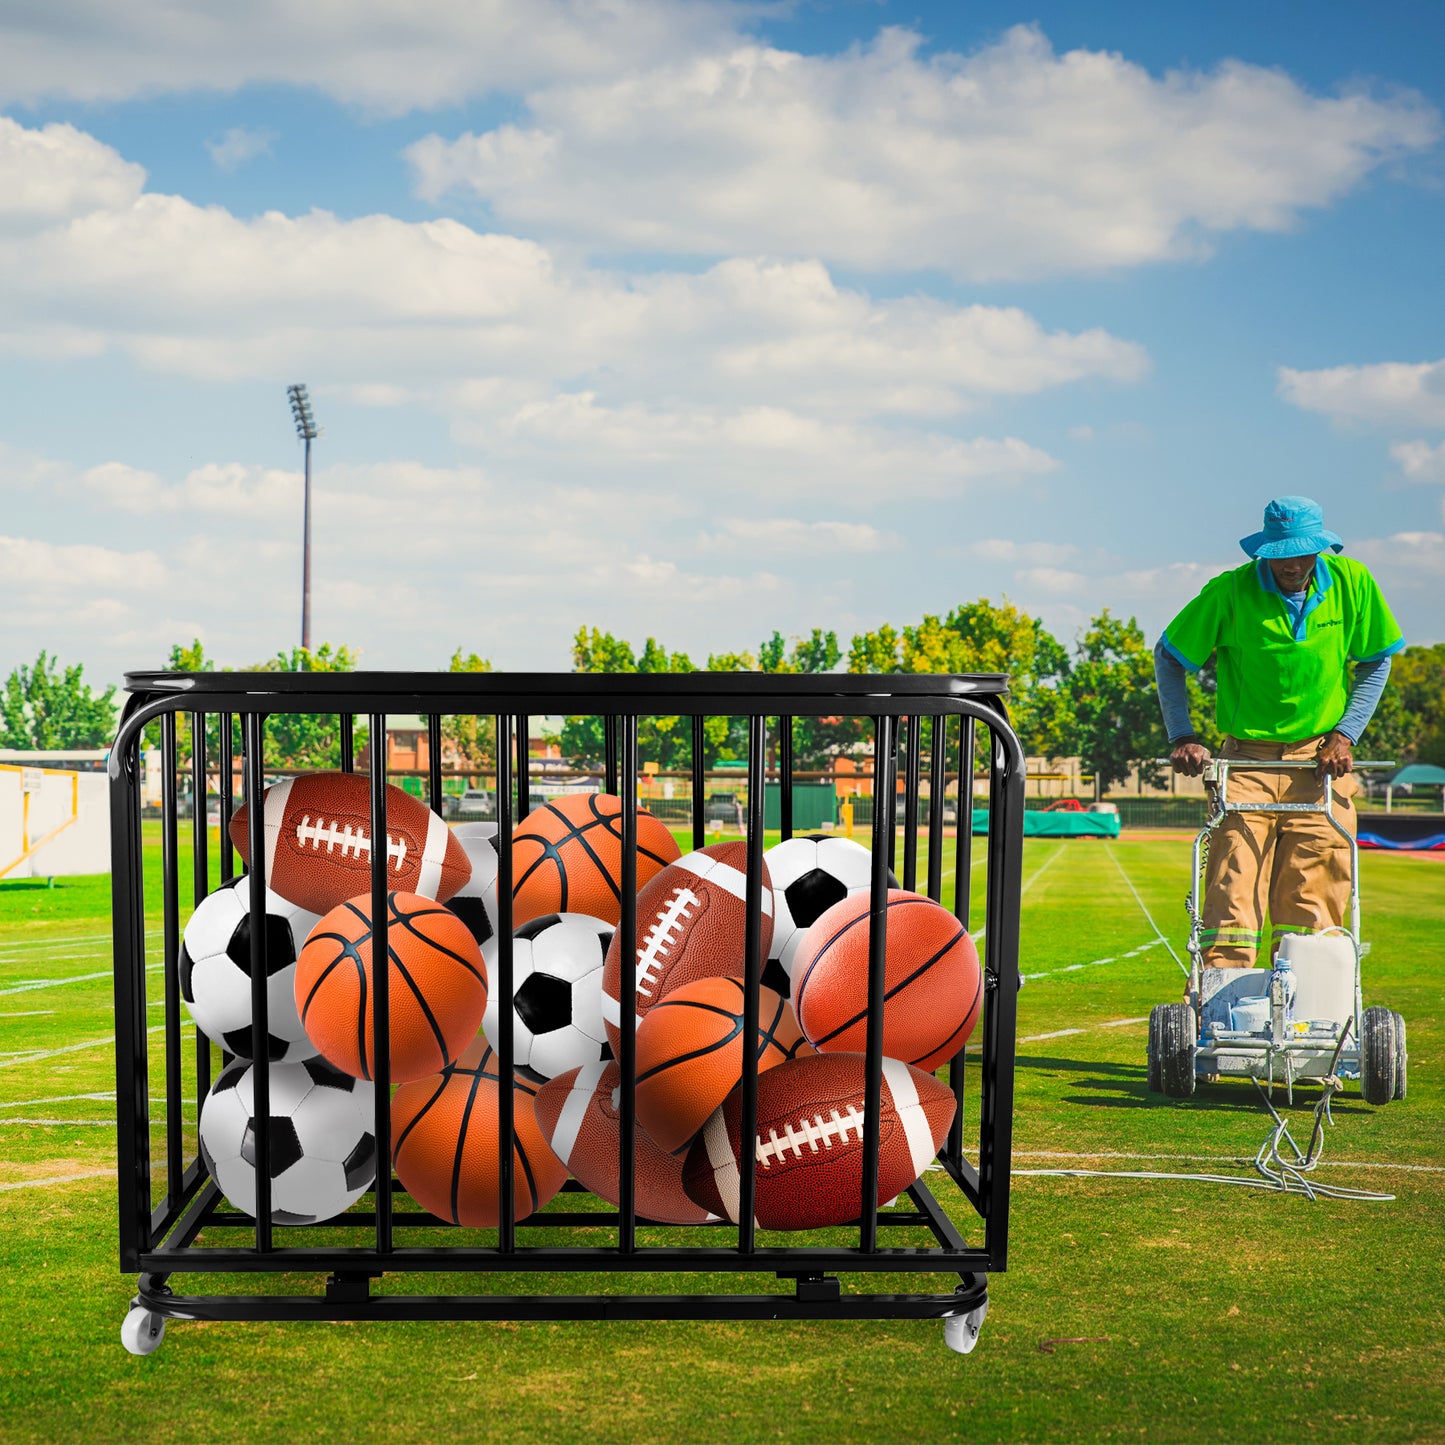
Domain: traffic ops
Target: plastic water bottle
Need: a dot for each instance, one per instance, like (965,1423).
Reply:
(1281,995)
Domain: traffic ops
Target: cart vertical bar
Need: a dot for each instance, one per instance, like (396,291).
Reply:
(253,738)
(132,1089)
(627,994)
(170,958)
(380,983)
(785,776)
(348,743)
(913,764)
(434,762)
(752,978)
(1001,960)
(962,902)
(524,765)
(937,784)
(885,740)
(503,985)
(699,785)
(228,788)
(200,875)
(609,746)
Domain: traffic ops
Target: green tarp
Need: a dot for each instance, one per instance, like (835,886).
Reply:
(1059,825)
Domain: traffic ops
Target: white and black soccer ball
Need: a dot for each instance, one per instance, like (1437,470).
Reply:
(557,964)
(810,874)
(475,903)
(215,971)
(323,1150)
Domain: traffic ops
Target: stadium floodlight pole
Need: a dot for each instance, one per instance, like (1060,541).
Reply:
(307,430)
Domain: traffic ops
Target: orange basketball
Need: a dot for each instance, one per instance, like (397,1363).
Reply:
(690,1054)
(932,982)
(446,1136)
(436,981)
(567,857)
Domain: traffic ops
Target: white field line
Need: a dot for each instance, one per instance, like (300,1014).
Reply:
(88,1123)
(21,943)
(1215,1159)
(30,1013)
(59,1179)
(1095,962)
(1158,932)
(31,984)
(68,1049)
(106,1096)
(1064,1033)
(1028,883)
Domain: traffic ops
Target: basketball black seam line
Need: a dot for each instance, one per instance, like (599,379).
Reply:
(361,1018)
(520,1150)
(965,1024)
(890,993)
(441,948)
(695,1054)
(425,1007)
(348,947)
(575,833)
(851,923)
(416,1119)
(456,1187)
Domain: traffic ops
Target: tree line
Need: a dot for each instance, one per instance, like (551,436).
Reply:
(1096,700)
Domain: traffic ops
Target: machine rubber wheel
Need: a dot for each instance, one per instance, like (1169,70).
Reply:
(142,1331)
(1401,1054)
(960,1332)
(1176,1049)
(1379,1056)
(1156,1059)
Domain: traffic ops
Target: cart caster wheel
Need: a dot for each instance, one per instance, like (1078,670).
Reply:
(1177,1042)
(960,1332)
(143,1331)
(1379,1056)
(1401,1055)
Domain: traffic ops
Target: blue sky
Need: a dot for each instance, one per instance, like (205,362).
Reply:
(700,320)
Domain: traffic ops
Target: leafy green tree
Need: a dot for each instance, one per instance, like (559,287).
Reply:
(667,741)
(471,737)
(1114,705)
(1418,673)
(48,706)
(309,740)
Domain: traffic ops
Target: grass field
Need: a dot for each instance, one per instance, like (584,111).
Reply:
(1169,1311)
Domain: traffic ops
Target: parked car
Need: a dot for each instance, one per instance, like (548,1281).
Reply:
(722,808)
(473,806)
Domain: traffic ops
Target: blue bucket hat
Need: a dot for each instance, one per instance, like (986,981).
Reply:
(1293,527)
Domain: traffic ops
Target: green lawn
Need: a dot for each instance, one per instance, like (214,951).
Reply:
(1182,1311)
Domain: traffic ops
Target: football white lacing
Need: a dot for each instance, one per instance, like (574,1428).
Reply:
(661,937)
(811,1132)
(353,842)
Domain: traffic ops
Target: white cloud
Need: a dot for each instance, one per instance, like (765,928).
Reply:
(1418,553)
(1014,161)
(1001,549)
(387,55)
(1054,580)
(792,537)
(1387,393)
(1419,461)
(391,311)
(51,174)
(240,145)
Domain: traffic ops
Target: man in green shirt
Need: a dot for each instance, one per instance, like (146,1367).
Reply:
(1286,630)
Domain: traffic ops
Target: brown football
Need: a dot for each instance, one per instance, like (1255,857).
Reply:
(318,842)
(809,1144)
(690,925)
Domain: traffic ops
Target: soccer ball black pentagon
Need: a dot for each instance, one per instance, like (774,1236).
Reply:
(557,993)
(215,971)
(810,874)
(475,903)
(323,1151)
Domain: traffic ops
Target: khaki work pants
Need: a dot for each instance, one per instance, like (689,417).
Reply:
(1294,864)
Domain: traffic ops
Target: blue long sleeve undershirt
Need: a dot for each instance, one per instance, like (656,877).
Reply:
(1169,675)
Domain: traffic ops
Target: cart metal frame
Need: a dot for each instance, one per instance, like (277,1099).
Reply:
(177,1233)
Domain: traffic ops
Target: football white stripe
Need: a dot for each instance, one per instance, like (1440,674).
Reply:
(730,879)
(569,1122)
(724,1166)
(612,1011)
(434,850)
(272,817)
(910,1113)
